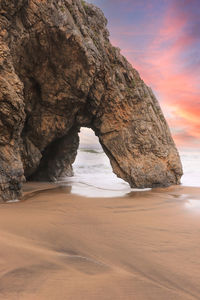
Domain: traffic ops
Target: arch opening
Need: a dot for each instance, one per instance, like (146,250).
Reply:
(93,174)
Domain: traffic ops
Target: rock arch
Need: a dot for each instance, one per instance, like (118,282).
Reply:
(59,72)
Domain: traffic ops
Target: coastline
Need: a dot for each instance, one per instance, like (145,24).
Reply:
(56,245)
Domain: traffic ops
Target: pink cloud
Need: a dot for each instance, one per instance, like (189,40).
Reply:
(163,66)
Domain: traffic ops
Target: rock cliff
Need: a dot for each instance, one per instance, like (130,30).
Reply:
(59,72)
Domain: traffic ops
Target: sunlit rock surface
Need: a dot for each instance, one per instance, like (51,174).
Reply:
(59,72)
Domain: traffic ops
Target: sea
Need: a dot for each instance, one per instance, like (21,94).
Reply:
(93,176)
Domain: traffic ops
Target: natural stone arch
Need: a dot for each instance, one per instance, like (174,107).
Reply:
(59,72)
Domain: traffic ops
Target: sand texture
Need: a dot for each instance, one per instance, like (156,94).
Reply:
(58,246)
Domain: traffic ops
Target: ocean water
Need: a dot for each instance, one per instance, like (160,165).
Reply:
(191,168)
(93,176)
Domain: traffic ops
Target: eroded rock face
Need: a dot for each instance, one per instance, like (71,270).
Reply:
(58,72)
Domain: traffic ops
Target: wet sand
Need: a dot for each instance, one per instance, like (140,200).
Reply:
(59,246)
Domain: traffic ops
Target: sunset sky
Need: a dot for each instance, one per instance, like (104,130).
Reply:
(161,38)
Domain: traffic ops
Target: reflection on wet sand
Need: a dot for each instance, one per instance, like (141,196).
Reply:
(193,204)
(31,190)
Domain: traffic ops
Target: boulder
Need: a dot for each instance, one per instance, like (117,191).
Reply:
(58,73)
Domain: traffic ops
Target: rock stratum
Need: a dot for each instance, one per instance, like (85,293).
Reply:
(59,72)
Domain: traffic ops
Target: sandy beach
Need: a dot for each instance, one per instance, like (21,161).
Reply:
(55,245)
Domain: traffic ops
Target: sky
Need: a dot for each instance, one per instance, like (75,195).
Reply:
(161,39)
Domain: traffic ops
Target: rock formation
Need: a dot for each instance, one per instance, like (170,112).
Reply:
(59,72)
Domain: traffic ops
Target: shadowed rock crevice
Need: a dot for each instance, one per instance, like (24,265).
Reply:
(57,158)
(59,72)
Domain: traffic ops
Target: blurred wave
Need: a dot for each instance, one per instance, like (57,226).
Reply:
(93,174)
(191,168)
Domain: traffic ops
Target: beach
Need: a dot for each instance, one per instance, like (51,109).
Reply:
(99,150)
(58,245)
